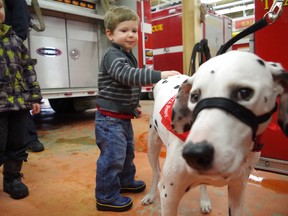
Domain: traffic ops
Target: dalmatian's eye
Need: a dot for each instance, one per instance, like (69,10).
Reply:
(194,97)
(242,94)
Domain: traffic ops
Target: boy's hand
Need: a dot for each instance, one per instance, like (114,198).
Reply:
(36,108)
(166,74)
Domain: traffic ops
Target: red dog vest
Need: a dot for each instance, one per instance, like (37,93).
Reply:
(166,114)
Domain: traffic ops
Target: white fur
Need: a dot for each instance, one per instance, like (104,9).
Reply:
(231,139)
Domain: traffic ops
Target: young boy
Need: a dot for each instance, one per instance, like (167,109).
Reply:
(117,102)
(19,93)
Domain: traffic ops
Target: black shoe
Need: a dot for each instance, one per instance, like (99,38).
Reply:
(36,146)
(134,187)
(13,185)
(120,205)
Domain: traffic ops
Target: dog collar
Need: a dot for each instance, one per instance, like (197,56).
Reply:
(242,113)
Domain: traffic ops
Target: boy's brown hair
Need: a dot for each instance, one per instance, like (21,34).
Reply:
(118,14)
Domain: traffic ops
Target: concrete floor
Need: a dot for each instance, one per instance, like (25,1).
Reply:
(61,179)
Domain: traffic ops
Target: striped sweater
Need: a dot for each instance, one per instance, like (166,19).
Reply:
(120,81)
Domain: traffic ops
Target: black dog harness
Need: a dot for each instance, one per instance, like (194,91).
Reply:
(242,113)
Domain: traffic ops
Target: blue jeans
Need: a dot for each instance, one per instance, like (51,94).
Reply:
(115,166)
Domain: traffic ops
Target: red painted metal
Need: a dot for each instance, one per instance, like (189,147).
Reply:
(271,44)
(167,38)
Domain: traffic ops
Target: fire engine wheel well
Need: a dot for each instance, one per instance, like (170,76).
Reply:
(147,96)
(77,104)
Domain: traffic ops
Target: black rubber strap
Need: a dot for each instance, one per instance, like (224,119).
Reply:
(204,51)
(253,28)
(193,59)
(242,113)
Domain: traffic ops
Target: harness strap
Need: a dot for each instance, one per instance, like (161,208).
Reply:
(204,55)
(253,28)
(242,113)
(38,12)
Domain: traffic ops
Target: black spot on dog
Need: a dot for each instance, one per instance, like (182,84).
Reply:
(165,195)
(212,72)
(265,99)
(150,126)
(177,86)
(171,184)
(187,189)
(230,212)
(155,128)
(173,114)
(156,123)
(261,62)
(165,81)
(163,186)
(274,65)
(187,127)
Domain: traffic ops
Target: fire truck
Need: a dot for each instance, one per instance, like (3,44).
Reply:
(270,43)
(69,50)
(167,34)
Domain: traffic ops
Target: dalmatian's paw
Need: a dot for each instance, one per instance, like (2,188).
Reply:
(205,206)
(148,199)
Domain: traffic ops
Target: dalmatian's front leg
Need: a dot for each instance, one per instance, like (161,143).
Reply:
(171,193)
(205,203)
(154,148)
(237,186)
(236,193)
(174,183)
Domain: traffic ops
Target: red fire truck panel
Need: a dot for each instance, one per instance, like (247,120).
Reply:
(167,38)
(167,28)
(271,44)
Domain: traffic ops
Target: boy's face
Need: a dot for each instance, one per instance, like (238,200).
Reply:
(125,34)
(2,12)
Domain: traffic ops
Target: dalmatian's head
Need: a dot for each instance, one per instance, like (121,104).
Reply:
(226,104)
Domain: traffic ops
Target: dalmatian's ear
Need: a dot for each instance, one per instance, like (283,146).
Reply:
(281,80)
(181,115)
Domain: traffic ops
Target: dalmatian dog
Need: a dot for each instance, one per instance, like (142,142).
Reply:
(210,124)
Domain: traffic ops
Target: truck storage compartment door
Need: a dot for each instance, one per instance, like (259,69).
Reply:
(82,53)
(167,39)
(49,48)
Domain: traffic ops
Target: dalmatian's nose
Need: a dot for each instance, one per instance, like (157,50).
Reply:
(199,155)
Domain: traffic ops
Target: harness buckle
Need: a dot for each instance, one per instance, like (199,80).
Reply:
(257,146)
(275,11)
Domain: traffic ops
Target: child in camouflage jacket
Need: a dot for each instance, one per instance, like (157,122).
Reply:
(19,93)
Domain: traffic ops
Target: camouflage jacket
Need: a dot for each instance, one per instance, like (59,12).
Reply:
(19,88)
